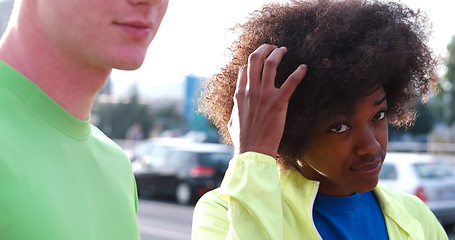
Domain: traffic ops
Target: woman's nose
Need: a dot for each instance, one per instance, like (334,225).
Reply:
(368,142)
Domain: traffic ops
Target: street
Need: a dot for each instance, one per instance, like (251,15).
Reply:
(166,220)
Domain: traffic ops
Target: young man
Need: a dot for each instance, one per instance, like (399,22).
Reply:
(61,177)
(368,64)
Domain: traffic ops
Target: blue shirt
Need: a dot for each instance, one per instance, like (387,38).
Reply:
(354,217)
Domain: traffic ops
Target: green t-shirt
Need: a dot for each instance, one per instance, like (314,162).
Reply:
(60,177)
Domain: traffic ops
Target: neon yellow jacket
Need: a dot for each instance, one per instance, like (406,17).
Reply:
(255,201)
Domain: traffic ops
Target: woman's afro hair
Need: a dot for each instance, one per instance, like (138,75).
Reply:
(351,48)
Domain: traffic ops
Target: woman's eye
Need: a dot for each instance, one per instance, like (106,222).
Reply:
(340,128)
(379,116)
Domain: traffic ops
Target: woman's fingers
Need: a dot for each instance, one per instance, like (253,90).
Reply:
(241,79)
(270,66)
(292,82)
(261,68)
(256,64)
(259,112)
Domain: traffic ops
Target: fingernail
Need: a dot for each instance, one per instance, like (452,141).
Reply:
(283,47)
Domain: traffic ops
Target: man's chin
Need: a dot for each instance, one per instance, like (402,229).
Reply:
(129,65)
(127,68)
(128,58)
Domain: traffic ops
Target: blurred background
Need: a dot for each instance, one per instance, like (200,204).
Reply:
(175,152)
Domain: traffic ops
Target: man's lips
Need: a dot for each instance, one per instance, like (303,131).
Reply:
(137,24)
(137,29)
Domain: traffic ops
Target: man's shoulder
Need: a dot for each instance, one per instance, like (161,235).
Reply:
(100,142)
(99,136)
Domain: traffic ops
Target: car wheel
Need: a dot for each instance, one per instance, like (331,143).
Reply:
(448,227)
(183,193)
(141,194)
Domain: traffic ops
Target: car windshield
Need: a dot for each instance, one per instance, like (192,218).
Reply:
(433,170)
(143,149)
(215,159)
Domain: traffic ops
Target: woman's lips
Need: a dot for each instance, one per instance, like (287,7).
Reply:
(368,169)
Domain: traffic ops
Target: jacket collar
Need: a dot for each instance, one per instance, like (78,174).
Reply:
(394,211)
(294,185)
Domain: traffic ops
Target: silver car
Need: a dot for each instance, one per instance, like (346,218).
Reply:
(427,177)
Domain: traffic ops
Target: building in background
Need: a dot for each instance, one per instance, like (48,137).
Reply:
(195,121)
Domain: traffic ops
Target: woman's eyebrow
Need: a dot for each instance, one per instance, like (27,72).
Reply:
(380,101)
(346,114)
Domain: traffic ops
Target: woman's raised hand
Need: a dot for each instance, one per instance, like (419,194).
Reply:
(259,113)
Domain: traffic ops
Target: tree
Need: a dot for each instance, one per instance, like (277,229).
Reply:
(444,103)
(117,118)
(422,126)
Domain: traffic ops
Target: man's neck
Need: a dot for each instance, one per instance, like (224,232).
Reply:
(72,84)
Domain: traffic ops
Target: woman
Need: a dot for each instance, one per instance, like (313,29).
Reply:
(310,139)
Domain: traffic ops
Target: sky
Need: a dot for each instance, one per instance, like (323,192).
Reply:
(194,36)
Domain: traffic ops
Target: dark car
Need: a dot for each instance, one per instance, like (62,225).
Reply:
(181,169)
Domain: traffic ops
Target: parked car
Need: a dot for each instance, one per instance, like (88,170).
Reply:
(146,148)
(427,177)
(181,169)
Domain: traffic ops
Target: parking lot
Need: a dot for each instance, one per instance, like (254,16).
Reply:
(162,217)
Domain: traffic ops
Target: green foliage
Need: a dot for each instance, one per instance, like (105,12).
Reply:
(114,119)
(444,103)
(168,118)
(423,124)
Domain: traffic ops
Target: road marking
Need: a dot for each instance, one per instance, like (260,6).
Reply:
(159,232)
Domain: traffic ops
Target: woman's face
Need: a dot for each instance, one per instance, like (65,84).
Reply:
(345,154)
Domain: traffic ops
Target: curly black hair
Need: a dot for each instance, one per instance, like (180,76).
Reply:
(351,47)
